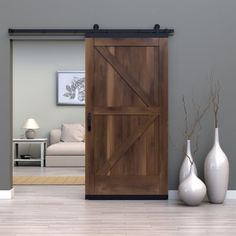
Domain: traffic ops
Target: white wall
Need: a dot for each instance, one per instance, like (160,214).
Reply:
(34,83)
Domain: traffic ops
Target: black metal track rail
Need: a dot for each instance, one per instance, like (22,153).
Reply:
(95,32)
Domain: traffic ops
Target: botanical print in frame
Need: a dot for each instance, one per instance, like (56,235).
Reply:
(70,88)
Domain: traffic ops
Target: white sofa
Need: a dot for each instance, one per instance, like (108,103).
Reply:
(63,154)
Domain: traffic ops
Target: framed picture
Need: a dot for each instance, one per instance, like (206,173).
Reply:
(71,88)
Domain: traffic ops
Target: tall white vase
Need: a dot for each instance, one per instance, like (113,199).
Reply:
(216,172)
(192,190)
(186,165)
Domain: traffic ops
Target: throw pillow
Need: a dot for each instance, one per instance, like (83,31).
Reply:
(72,133)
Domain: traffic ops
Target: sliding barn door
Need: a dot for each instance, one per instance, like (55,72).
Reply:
(126,113)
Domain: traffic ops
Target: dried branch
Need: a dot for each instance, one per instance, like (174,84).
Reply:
(198,119)
(183,151)
(197,139)
(196,145)
(197,110)
(185,118)
(217,101)
(217,90)
(191,161)
(215,98)
(198,115)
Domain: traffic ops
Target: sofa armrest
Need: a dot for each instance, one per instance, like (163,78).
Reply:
(54,136)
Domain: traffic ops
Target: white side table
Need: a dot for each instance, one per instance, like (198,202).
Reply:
(15,149)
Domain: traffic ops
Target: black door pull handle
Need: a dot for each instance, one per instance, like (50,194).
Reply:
(89,124)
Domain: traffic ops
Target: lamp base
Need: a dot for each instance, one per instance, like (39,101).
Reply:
(30,134)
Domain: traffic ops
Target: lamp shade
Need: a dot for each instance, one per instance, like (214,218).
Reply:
(30,124)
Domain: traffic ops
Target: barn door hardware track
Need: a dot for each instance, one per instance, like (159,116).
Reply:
(157,31)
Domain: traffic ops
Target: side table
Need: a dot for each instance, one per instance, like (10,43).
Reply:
(15,149)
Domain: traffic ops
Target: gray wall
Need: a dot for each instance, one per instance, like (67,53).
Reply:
(204,41)
(34,83)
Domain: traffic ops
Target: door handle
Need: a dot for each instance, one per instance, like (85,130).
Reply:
(89,122)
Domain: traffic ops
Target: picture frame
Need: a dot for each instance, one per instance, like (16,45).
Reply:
(71,88)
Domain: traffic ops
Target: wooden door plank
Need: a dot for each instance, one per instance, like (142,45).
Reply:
(133,42)
(89,136)
(148,111)
(118,154)
(163,134)
(128,79)
(111,185)
(153,166)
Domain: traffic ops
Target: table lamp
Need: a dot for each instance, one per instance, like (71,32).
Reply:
(30,125)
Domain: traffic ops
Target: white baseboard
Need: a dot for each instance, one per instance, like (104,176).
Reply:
(6,194)
(231,194)
(173,194)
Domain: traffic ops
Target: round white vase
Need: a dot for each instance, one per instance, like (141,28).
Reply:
(186,164)
(216,172)
(192,190)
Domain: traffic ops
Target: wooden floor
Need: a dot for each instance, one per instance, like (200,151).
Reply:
(48,171)
(62,210)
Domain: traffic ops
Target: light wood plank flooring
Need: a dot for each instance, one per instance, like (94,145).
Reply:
(62,210)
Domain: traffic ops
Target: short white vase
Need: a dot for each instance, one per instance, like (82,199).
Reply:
(216,172)
(186,165)
(192,190)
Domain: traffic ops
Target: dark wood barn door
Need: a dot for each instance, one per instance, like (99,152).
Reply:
(126,109)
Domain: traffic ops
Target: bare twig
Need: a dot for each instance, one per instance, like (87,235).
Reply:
(217,101)
(197,139)
(185,118)
(215,98)
(198,115)
(196,145)
(198,119)
(189,158)
(197,110)
(183,151)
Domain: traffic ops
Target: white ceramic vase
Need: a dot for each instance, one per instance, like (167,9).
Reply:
(186,165)
(192,190)
(216,172)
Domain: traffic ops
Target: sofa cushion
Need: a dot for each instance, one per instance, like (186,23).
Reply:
(55,136)
(72,133)
(66,149)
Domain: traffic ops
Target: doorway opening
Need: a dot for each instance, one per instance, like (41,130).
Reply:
(56,154)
